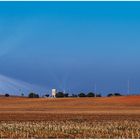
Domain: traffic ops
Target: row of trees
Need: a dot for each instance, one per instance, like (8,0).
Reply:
(66,95)
(113,94)
(90,94)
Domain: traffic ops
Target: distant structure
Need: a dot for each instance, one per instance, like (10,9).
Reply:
(128,87)
(54,93)
(95,89)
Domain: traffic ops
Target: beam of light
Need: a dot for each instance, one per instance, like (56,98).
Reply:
(11,42)
(61,82)
(19,35)
(16,87)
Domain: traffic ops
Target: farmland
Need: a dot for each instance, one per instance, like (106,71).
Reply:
(114,117)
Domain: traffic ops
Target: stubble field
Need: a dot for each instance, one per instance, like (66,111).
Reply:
(114,117)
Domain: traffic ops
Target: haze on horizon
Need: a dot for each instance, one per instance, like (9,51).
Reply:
(71,45)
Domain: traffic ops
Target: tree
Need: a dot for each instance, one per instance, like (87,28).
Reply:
(81,95)
(117,94)
(47,95)
(59,95)
(109,95)
(98,95)
(7,95)
(90,94)
(74,95)
(66,95)
(33,95)
(22,94)
(114,94)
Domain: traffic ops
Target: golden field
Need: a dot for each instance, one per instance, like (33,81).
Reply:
(105,117)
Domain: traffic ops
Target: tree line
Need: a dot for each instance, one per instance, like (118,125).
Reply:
(67,95)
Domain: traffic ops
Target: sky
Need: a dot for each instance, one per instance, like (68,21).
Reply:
(70,46)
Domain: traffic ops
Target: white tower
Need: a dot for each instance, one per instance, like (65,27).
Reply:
(53,93)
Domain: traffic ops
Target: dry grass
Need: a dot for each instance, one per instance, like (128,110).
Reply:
(115,117)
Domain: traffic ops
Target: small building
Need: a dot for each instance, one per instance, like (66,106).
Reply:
(54,93)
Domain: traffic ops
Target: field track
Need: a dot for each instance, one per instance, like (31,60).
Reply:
(104,108)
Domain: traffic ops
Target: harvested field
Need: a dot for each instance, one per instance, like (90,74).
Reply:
(114,117)
(70,129)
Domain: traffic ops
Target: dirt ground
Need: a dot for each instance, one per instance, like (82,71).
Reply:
(12,108)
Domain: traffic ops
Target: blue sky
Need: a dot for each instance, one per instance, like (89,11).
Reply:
(72,45)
